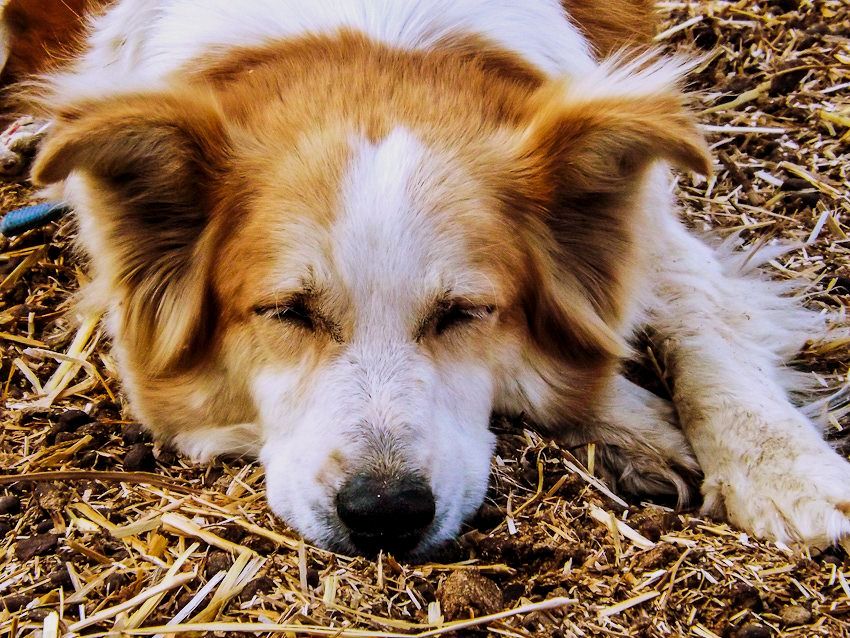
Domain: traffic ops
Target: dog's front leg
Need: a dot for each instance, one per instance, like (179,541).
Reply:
(728,336)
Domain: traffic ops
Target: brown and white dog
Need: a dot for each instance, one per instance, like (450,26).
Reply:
(340,234)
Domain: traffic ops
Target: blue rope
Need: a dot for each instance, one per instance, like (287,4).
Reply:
(19,221)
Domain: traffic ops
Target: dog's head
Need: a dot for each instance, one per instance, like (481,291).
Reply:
(351,256)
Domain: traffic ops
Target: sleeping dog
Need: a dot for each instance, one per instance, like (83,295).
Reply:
(340,234)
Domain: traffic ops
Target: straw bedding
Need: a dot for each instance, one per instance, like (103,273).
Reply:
(102,532)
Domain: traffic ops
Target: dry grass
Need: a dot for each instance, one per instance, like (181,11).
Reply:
(86,549)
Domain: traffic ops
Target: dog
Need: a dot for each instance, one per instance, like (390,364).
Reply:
(340,235)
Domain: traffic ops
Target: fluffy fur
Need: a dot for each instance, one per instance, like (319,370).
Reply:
(339,235)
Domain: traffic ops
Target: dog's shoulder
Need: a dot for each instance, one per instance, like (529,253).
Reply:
(38,36)
(137,44)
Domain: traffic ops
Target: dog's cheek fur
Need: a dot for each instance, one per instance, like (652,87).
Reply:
(204,412)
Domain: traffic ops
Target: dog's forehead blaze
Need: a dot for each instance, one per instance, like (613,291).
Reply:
(414,225)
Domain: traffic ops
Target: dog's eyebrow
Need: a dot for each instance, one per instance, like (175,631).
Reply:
(298,287)
(281,299)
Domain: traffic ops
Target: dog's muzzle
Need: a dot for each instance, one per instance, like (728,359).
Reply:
(385,513)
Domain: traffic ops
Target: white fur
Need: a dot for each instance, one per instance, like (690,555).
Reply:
(204,444)
(651,452)
(645,75)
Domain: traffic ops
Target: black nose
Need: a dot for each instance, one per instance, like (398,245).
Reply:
(389,514)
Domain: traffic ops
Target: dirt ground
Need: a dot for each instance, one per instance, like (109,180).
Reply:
(85,551)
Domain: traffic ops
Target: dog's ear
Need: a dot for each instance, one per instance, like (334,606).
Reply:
(583,160)
(593,137)
(146,166)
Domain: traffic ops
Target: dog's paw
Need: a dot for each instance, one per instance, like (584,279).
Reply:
(803,498)
(18,144)
(642,447)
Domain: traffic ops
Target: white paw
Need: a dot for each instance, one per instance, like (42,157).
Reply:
(18,144)
(802,497)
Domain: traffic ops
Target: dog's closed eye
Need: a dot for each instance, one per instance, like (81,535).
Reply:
(294,311)
(449,315)
(455,315)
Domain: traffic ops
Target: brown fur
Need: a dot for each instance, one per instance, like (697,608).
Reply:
(586,159)
(44,34)
(155,166)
